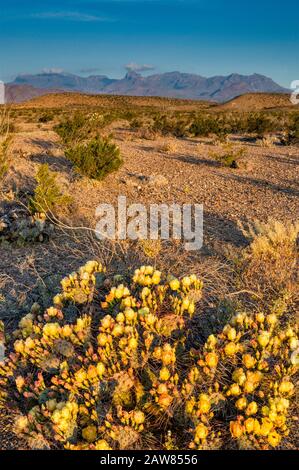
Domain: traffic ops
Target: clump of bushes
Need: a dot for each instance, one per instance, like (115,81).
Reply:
(73,129)
(176,126)
(46,117)
(96,158)
(128,370)
(48,196)
(205,125)
(292,135)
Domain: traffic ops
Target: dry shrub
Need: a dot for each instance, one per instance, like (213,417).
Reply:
(116,366)
(268,141)
(168,147)
(146,133)
(271,259)
(151,248)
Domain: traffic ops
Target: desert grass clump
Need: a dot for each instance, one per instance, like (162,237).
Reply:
(115,364)
(3,159)
(168,147)
(271,259)
(96,158)
(48,196)
(268,141)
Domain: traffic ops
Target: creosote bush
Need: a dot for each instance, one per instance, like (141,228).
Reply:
(229,156)
(97,158)
(47,194)
(115,365)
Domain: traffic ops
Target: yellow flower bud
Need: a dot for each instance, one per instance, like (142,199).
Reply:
(101,369)
(174,284)
(164,374)
(139,417)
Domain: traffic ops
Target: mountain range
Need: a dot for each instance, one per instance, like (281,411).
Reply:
(172,84)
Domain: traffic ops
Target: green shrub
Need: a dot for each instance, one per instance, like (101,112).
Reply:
(96,158)
(259,124)
(229,155)
(73,129)
(47,195)
(46,117)
(165,125)
(292,135)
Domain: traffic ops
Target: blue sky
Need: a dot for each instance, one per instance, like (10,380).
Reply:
(103,36)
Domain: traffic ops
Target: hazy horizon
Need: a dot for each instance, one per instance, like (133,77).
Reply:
(101,37)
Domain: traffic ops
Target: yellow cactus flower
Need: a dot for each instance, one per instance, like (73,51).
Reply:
(211,359)
(21,424)
(230,349)
(274,438)
(139,417)
(263,338)
(266,427)
(89,433)
(132,343)
(271,319)
(186,281)
(201,432)
(102,445)
(249,425)
(230,332)
(51,329)
(260,317)
(236,429)
(234,390)
(164,374)
(241,403)
(286,387)
(80,375)
(165,400)
(248,361)
(239,376)
(252,408)
(174,284)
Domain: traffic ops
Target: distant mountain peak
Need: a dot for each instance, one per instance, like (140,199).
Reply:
(171,84)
